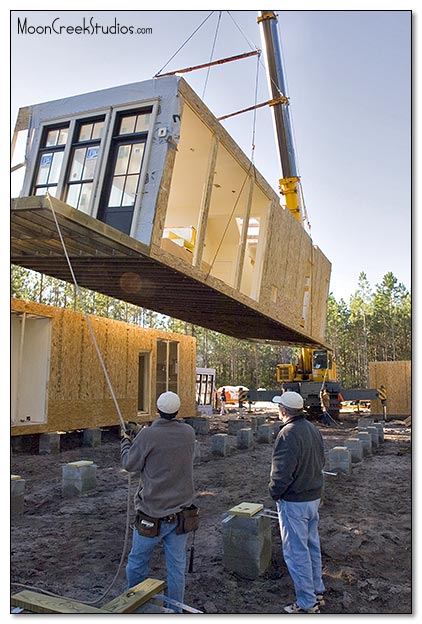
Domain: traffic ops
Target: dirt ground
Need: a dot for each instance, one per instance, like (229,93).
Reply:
(73,547)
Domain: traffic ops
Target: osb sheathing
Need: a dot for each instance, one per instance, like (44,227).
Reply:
(289,255)
(396,377)
(78,393)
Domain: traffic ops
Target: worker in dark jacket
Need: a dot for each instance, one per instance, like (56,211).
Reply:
(163,454)
(296,483)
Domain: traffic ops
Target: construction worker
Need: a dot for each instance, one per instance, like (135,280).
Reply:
(296,483)
(324,398)
(223,399)
(163,454)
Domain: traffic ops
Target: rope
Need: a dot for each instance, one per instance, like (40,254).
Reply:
(93,602)
(212,53)
(41,590)
(86,315)
(183,44)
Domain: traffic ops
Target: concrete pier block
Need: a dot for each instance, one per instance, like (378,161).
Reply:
(373,432)
(78,478)
(233,426)
(17,496)
(254,423)
(261,420)
(340,459)
(247,545)
(49,443)
(220,444)
(365,422)
(380,428)
(200,424)
(366,440)
(265,434)
(355,447)
(244,438)
(92,438)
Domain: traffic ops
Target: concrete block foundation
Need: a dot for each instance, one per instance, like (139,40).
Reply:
(244,438)
(49,443)
(380,428)
(373,432)
(247,545)
(78,478)
(17,496)
(92,438)
(233,426)
(220,444)
(265,434)
(340,459)
(200,424)
(366,440)
(355,447)
(197,453)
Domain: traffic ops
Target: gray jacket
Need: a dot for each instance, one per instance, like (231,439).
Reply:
(298,459)
(163,454)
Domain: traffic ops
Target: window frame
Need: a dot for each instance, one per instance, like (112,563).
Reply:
(41,149)
(74,145)
(115,112)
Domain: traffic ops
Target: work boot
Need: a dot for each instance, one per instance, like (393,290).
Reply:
(320,599)
(294,608)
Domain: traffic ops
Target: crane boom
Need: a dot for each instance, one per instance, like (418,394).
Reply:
(289,183)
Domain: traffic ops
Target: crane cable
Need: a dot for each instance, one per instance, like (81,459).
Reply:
(212,54)
(183,44)
(127,525)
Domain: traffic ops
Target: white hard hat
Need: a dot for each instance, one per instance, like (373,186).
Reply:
(168,403)
(289,399)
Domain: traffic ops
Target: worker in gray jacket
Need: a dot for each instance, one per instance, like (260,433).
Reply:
(163,454)
(296,483)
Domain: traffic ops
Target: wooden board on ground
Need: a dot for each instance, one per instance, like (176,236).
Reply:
(134,597)
(246,509)
(40,603)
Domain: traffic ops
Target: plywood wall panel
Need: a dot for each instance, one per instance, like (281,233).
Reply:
(78,394)
(396,377)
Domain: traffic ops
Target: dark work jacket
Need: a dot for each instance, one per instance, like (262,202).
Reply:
(298,459)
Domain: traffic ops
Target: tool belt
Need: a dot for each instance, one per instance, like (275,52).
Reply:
(187,520)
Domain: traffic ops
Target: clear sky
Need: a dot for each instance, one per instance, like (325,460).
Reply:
(348,79)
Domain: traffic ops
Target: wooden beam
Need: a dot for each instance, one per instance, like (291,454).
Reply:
(41,603)
(135,597)
(205,204)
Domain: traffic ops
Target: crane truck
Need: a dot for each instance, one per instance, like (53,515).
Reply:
(314,369)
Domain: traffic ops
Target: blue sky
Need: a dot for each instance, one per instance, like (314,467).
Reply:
(349,82)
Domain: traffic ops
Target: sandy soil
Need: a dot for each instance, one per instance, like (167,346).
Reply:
(73,546)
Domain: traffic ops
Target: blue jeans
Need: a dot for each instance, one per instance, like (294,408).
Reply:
(175,554)
(301,548)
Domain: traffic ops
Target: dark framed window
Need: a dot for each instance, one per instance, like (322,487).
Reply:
(123,174)
(50,159)
(83,162)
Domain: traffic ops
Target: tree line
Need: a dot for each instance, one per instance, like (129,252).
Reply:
(375,325)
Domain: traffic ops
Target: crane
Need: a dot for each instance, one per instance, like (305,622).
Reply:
(289,183)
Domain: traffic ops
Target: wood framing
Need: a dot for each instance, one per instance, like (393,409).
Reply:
(74,393)
(209,241)
(396,377)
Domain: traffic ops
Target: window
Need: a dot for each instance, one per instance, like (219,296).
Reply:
(143,381)
(127,149)
(83,162)
(167,366)
(50,159)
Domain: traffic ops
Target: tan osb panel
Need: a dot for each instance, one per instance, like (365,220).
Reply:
(78,394)
(396,377)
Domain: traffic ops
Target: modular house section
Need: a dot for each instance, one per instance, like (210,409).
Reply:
(57,380)
(152,162)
